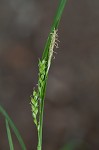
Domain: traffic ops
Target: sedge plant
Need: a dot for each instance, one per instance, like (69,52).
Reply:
(37,98)
(38,95)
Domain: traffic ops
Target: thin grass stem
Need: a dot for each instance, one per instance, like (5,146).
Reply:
(45,56)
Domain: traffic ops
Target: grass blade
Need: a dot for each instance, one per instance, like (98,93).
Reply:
(54,25)
(4,113)
(9,135)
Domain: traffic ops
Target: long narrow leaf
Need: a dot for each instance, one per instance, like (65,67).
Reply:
(4,113)
(9,135)
(54,25)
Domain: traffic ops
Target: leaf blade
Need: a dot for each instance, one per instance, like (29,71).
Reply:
(55,25)
(9,135)
(4,113)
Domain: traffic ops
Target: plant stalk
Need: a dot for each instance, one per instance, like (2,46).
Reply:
(45,55)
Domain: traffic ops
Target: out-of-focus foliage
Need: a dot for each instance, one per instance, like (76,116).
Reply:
(9,120)
(9,135)
(72,145)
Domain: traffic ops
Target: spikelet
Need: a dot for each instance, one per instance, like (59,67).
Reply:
(42,72)
(53,43)
(34,106)
(37,96)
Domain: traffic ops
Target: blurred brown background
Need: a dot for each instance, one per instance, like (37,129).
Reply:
(72,99)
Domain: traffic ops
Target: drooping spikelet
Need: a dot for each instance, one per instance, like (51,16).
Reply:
(34,106)
(36,98)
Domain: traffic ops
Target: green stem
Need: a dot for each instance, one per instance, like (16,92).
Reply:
(39,146)
(41,119)
(45,55)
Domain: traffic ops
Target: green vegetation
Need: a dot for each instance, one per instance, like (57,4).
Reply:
(13,127)
(37,98)
(9,135)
